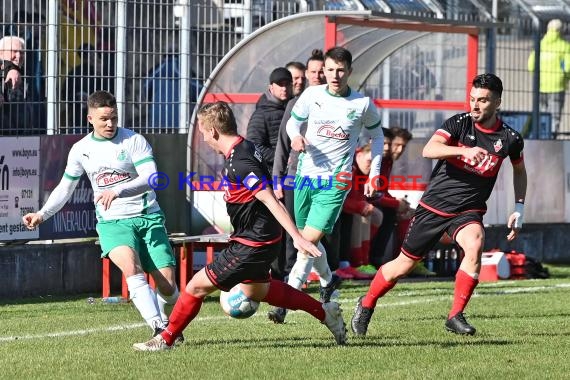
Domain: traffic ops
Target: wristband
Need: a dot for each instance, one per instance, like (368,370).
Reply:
(519,215)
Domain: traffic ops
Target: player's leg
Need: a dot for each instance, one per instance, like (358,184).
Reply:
(468,232)
(157,258)
(324,212)
(185,310)
(119,242)
(284,296)
(259,287)
(303,264)
(422,235)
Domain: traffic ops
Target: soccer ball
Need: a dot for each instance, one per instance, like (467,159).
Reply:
(236,305)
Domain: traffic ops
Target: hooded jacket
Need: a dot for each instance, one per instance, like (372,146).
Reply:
(554,62)
(263,127)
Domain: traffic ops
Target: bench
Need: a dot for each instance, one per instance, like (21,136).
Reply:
(184,248)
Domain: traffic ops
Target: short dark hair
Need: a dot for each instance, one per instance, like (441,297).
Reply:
(401,132)
(490,82)
(339,54)
(296,64)
(220,116)
(316,55)
(387,133)
(100,99)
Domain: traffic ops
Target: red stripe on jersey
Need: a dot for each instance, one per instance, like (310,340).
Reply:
(443,133)
(497,125)
(238,193)
(239,140)
(251,243)
(447,214)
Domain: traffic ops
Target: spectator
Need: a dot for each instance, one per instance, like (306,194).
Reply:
(396,211)
(366,219)
(554,73)
(285,163)
(297,70)
(15,115)
(31,27)
(263,127)
(395,141)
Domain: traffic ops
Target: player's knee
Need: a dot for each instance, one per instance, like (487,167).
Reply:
(473,247)
(405,266)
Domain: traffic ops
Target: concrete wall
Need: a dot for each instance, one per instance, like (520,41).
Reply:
(52,269)
(546,242)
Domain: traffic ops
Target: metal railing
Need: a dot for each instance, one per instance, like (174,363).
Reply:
(155,55)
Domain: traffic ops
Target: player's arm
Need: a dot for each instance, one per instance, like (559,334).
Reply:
(62,192)
(438,148)
(519,183)
(280,213)
(146,170)
(298,141)
(57,199)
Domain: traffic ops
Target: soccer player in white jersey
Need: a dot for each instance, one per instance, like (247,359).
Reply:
(130,222)
(336,117)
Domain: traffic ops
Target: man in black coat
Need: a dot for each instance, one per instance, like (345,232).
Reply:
(263,127)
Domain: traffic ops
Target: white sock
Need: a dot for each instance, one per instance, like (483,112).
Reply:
(300,271)
(144,299)
(166,300)
(321,266)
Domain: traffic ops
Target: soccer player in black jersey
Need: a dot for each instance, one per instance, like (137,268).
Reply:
(470,148)
(256,216)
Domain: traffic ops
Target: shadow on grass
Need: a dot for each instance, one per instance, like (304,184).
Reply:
(264,342)
(541,315)
(368,342)
(377,341)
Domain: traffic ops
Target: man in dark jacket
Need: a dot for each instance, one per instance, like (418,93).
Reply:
(14,114)
(263,127)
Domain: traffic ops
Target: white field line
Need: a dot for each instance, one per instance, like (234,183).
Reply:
(345,301)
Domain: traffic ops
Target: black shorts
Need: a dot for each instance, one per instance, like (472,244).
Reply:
(427,227)
(241,263)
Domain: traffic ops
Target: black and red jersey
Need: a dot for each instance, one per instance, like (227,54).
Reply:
(458,185)
(244,174)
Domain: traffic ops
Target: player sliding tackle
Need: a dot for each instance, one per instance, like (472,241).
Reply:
(256,217)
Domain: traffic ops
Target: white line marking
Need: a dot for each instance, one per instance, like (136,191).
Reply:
(71,333)
(345,301)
